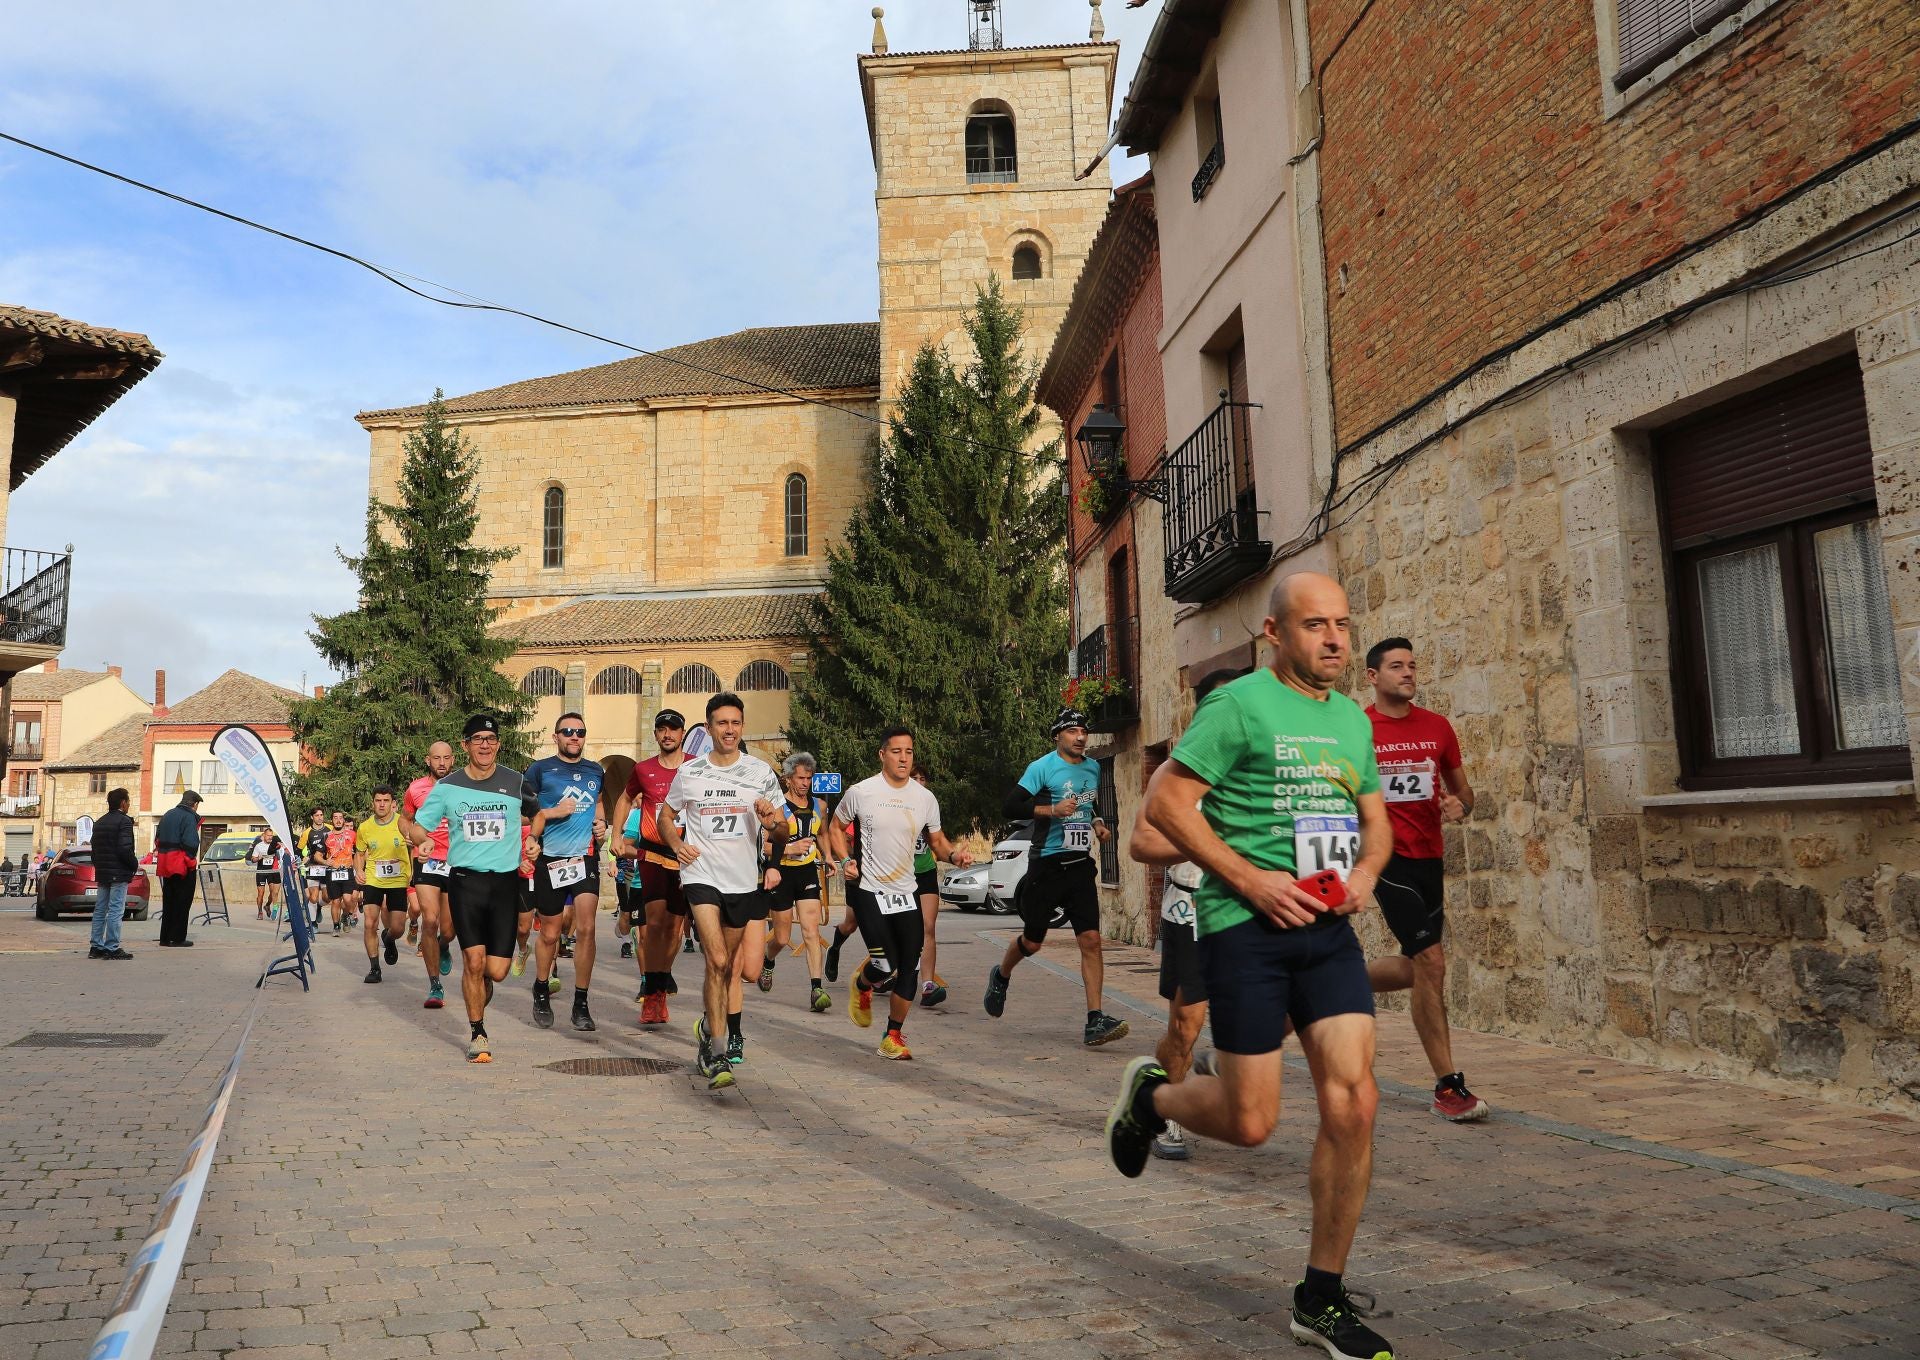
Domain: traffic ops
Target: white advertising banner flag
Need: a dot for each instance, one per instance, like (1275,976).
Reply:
(256,775)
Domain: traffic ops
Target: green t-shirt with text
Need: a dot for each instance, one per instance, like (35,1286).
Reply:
(1286,773)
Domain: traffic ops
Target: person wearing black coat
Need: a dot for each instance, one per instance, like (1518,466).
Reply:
(115,865)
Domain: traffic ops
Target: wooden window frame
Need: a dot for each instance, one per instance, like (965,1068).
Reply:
(1820,760)
(553,528)
(796,480)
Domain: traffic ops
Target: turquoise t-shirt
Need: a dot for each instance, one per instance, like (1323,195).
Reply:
(1053,779)
(1286,772)
(483,819)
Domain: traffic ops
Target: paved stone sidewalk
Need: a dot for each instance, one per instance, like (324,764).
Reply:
(374,1197)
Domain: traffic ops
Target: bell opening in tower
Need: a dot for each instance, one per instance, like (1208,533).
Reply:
(983,25)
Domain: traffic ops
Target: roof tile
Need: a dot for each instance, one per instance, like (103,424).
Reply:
(120,747)
(707,618)
(235,697)
(40,687)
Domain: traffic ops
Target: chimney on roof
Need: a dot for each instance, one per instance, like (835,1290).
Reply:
(159,694)
(50,665)
(319,691)
(114,671)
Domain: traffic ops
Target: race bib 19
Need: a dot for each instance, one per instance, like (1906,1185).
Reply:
(1076,837)
(895,901)
(484,826)
(726,823)
(564,873)
(1325,842)
(1411,782)
(386,868)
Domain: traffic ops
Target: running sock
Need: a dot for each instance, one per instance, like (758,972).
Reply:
(768,965)
(733,1025)
(893,1028)
(1143,1111)
(539,988)
(1092,1016)
(479,1028)
(579,996)
(815,982)
(841,936)
(1321,1287)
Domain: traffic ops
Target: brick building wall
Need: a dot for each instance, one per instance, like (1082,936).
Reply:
(1473,186)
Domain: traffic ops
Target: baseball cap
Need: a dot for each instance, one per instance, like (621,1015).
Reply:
(669,717)
(478,723)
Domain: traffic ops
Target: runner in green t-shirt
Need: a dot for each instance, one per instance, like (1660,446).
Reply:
(1273,783)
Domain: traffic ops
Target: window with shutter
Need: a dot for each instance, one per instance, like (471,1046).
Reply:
(1784,663)
(1653,30)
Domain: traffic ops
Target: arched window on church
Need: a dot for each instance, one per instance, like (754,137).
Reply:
(694,678)
(616,680)
(760,677)
(796,515)
(553,528)
(1026,261)
(543,682)
(992,157)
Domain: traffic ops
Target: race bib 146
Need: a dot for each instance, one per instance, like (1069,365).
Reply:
(1325,842)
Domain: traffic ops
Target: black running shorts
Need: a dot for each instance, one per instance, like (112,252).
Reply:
(1050,884)
(798,883)
(658,883)
(1180,974)
(900,936)
(424,877)
(927,883)
(736,909)
(550,899)
(1259,975)
(393,899)
(486,910)
(1413,900)
(338,887)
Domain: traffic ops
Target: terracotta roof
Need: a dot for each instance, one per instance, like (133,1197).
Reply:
(801,358)
(1117,266)
(118,748)
(40,687)
(705,618)
(64,374)
(1170,63)
(235,697)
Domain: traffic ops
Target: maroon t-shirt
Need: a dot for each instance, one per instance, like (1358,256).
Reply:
(1412,753)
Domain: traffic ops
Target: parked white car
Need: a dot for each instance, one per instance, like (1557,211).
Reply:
(1008,867)
(965,889)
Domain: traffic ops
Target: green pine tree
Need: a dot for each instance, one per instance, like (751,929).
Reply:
(415,654)
(945,606)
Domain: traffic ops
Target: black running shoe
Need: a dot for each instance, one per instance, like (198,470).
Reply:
(581,1020)
(833,960)
(542,1009)
(373,973)
(1337,1327)
(392,950)
(736,1049)
(1103,1029)
(626,949)
(1129,1142)
(996,999)
(766,978)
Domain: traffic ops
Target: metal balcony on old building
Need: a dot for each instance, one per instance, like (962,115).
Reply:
(1212,520)
(33,606)
(1112,652)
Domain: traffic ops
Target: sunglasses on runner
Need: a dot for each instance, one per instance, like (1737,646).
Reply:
(570,731)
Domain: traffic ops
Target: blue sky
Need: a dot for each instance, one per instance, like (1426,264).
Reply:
(655,172)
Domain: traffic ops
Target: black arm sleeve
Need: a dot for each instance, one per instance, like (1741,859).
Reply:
(1019,804)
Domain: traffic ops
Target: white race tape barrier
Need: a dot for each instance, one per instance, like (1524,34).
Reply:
(133,1324)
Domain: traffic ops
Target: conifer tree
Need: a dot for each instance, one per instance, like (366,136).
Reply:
(415,653)
(945,605)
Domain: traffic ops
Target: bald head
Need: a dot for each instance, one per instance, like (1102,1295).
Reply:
(440,759)
(1307,627)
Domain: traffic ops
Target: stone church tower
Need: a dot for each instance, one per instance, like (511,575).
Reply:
(974,154)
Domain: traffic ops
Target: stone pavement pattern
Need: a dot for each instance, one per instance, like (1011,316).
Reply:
(374,1197)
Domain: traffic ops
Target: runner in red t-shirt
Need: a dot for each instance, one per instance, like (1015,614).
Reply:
(1421,778)
(664,905)
(430,878)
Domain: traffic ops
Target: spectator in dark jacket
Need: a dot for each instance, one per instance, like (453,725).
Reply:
(114,866)
(177,839)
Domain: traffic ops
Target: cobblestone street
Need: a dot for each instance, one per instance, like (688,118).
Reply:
(373,1197)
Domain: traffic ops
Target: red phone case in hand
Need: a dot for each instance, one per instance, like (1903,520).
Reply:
(1328,887)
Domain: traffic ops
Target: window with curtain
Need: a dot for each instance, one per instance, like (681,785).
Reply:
(796,515)
(1785,665)
(553,528)
(174,775)
(213,776)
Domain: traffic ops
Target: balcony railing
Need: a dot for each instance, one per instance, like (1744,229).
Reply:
(1212,523)
(33,597)
(1209,170)
(992,170)
(1113,651)
(26,750)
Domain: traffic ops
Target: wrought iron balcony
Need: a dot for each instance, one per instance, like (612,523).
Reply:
(992,170)
(26,750)
(1212,523)
(33,597)
(1209,171)
(1114,652)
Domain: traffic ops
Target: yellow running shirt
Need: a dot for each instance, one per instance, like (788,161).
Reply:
(388,863)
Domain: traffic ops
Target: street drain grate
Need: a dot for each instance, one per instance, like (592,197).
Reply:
(614,1067)
(85,1039)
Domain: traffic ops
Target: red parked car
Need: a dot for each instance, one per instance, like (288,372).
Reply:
(68,886)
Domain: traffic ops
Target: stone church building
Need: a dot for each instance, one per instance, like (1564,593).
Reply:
(672,513)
